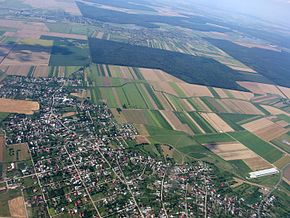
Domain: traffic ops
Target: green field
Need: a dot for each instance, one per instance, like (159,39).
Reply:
(202,122)
(241,167)
(185,120)
(68,52)
(212,138)
(260,147)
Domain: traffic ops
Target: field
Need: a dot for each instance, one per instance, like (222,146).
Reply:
(68,52)
(260,147)
(265,129)
(4,199)
(18,106)
(17,207)
(67,6)
(283,142)
(16,152)
(216,122)
(35,52)
(231,151)
(232,106)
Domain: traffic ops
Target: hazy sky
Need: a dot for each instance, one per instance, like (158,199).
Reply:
(275,10)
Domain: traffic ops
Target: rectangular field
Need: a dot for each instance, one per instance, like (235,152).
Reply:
(18,106)
(260,147)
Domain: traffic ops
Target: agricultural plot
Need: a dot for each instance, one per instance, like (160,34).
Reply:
(231,151)
(29,52)
(4,51)
(199,105)
(18,106)
(180,141)
(260,147)
(175,123)
(273,110)
(67,6)
(261,88)
(265,129)
(236,120)
(227,93)
(232,106)
(216,122)
(70,28)
(16,152)
(5,197)
(283,142)
(17,70)
(68,52)
(144,117)
(207,128)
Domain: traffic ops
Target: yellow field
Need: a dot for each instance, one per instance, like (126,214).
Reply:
(18,106)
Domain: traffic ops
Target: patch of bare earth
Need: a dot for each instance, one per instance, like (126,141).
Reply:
(17,207)
(18,106)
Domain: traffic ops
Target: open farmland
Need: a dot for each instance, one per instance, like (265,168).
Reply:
(68,52)
(231,151)
(23,54)
(232,106)
(261,88)
(17,70)
(259,146)
(265,129)
(18,106)
(216,122)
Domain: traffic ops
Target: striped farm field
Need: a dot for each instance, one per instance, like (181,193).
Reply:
(145,117)
(265,129)
(226,93)
(232,106)
(216,122)
(259,146)
(207,128)
(185,118)
(175,123)
(199,105)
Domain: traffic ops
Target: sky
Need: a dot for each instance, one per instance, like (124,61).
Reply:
(277,11)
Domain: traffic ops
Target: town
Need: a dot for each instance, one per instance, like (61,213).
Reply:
(81,162)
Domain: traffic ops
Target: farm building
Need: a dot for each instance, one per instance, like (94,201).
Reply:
(265,172)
